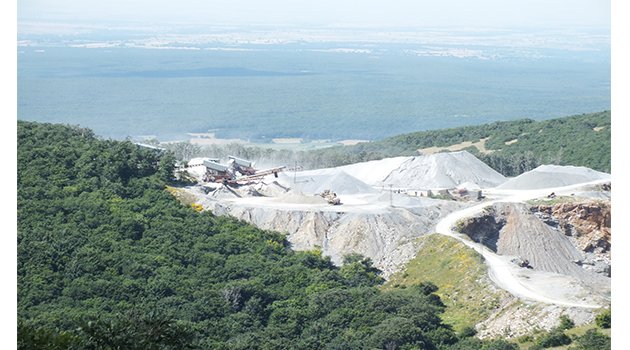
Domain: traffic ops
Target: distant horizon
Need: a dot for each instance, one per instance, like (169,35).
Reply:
(532,14)
(52,26)
(92,32)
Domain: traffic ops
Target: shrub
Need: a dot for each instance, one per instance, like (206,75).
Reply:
(468,332)
(525,339)
(603,320)
(499,344)
(592,340)
(197,207)
(553,338)
(566,323)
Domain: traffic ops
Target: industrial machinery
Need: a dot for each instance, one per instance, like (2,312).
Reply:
(238,171)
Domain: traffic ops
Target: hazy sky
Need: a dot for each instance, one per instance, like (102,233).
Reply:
(370,13)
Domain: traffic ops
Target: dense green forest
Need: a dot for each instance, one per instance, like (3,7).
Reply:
(108,259)
(513,147)
(581,140)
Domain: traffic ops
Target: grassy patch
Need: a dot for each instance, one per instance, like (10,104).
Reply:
(460,274)
(552,201)
(579,331)
(573,332)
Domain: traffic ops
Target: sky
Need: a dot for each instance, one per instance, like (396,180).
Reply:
(362,13)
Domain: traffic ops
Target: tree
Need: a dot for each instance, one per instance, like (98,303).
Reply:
(184,150)
(108,259)
(395,332)
(166,167)
(30,337)
(592,340)
(359,271)
(467,331)
(136,330)
(554,338)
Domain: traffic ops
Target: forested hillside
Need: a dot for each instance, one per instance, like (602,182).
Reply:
(108,259)
(512,147)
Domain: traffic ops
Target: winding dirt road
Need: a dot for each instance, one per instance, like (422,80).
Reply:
(523,283)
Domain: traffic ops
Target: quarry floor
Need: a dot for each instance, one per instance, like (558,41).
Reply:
(383,223)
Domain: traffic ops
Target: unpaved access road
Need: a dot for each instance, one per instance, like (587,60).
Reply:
(523,283)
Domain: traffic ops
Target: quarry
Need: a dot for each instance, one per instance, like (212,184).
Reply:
(544,236)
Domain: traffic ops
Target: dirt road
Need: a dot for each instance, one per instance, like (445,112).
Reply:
(523,283)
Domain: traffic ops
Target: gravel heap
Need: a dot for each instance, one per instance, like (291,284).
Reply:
(444,170)
(547,176)
(317,181)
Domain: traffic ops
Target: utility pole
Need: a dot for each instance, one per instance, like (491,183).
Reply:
(391,198)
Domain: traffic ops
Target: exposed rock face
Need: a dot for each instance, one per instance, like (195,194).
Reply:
(546,243)
(566,238)
(388,236)
(545,248)
(588,223)
(484,229)
(514,319)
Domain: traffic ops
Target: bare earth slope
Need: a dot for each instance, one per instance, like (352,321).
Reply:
(586,223)
(529,284)
(365,223)
(546,249)
(519,233)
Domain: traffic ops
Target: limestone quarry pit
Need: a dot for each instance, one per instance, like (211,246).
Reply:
(387,205)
